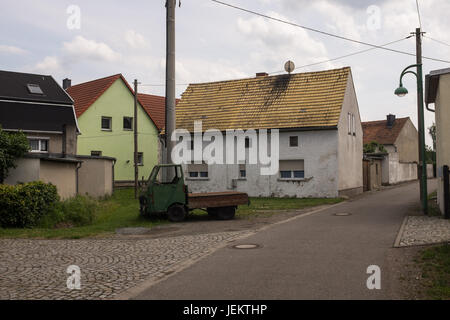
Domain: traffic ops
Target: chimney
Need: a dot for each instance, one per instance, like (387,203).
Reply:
(390,120)
(67,83)
(262,74)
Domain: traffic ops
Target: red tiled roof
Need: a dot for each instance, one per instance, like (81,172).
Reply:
(155,106)
(378,131)
(85,94)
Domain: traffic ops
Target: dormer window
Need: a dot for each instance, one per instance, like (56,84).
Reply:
(34,89)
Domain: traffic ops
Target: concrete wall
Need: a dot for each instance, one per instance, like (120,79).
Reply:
(27,170)
(319,151)
(95,177)
(118,102)
(350,148)
(61,174)
(442,132)
(407,143)
(394,171)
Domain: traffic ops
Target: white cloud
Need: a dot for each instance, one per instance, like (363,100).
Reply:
(12,50)
(135,39)
(277,43)
(81,48)
(49,65)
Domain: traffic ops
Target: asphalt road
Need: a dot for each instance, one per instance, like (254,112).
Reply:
(319,256)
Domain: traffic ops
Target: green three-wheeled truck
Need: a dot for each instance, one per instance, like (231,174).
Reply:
(166,192)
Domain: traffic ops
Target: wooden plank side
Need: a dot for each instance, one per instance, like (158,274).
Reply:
(216,199)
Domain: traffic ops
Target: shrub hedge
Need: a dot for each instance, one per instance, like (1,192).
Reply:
(24,205)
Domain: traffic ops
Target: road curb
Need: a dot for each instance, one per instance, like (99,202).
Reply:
(400,233)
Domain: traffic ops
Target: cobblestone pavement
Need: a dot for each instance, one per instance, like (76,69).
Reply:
(421,230)
(36,269)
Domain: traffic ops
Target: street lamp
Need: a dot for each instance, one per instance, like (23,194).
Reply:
(401,91)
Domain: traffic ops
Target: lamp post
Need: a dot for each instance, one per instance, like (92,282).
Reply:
(401,91)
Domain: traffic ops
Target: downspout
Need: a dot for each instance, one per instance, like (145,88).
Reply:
(114,163)
(76,175)
(64,141)
(429,109)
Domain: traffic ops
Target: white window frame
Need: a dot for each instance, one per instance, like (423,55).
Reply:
(292,170)
(140,163)
(198,169)
(242,167)
(110,123)
(40,139)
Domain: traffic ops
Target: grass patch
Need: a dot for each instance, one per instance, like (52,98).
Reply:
(265,207)
(118,211)
(435,265)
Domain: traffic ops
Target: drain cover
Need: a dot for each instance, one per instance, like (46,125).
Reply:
(342,214)
(246,246)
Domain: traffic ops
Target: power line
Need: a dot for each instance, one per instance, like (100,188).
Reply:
(418,13)
(322,32)
(438,41)
(345,56)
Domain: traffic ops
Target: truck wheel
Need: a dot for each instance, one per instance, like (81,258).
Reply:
(176,213)
(212,212)
(226,213)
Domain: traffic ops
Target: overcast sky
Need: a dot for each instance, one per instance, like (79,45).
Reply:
(218,43)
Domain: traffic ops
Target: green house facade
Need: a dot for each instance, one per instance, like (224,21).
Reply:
(105,112)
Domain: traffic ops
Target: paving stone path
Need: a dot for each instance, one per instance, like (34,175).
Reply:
(37,269)
(421,230)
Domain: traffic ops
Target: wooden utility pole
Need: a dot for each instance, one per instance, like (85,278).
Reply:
(170,77)
(135,128)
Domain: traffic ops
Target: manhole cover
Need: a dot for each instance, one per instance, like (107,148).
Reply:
(246,246)
(342,214)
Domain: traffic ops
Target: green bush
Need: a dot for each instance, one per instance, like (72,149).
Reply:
(24,205)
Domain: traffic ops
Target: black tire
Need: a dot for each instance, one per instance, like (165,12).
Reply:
(212,212)
(226,213)
(176,213)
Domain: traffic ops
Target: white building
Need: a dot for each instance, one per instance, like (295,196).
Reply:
(320,133)
(399,137)
(437,91)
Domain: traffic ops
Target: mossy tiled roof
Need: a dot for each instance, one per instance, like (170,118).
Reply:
(301,100)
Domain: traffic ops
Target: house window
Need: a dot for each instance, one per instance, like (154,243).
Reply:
(247,142)
(107,123)
(38,144)
(198,171)
(96,153)
(242,171)
(34,89)
(140,159)
(293,141)
(349,119)
(292,169)
(127,123)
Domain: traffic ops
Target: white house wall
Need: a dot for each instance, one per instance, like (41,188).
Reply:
(318,149)
(442,132)
(350,152)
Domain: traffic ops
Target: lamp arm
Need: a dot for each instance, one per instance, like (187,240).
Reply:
(405,72)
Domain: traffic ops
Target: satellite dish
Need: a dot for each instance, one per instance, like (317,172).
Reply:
(289,66)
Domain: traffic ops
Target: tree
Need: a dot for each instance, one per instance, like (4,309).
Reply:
(12,146)
(374,147)
(432,132)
